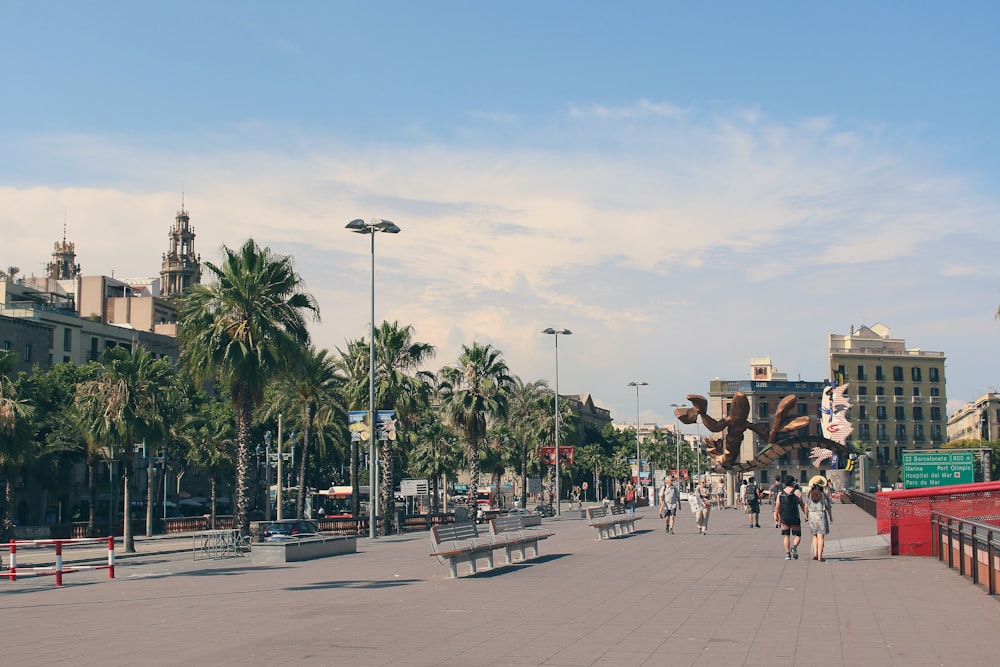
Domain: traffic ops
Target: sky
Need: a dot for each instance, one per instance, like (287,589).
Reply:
(684,186)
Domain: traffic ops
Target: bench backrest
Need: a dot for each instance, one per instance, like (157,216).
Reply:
(597,512)
(617,510)
(454,532)
(506,524)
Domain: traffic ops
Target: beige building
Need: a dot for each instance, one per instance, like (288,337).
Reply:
(979,420)
(898,394)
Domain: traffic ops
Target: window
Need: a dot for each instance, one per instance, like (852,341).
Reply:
(879,374)
(897,373)
(900,431)
(862,391)
(27,353)
(880,412)
(762,409)
(918,432)
(803,409)
(862,412)
(864,433)
(932,375)
(935,391)
(897,391)
(861,373)
(915,373)
(882,454)
(935,414)
(916,391)
(880,391)
(841,373)
(936,432)
(67,340)
(918,413)
(880,431)
(899,454)
(6,345)
(900,413)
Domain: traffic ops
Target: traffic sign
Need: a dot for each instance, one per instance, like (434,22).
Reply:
(940,468)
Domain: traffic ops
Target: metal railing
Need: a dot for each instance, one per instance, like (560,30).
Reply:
(864,501)
(970,545)
(220,544)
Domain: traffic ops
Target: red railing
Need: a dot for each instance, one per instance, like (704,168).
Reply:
(905,515)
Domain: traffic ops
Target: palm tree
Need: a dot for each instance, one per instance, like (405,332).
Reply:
(474,391)
(210,447)
(15,414)
(436,455)
(526,421)
(244,329)
(400,385)
(124,405)
(312,394)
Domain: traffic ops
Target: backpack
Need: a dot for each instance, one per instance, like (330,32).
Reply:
(788,508)
(753,492)
(630,495)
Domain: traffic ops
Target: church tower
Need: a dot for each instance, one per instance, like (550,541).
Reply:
(181,267)
(63,265)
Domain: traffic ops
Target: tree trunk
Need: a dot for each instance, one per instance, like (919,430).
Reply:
(212,492)
(244,417)
(149,495)
(387,499)
(300,503)
(473,475)
(7,534)
(524,475)
(91,489)
(128,539)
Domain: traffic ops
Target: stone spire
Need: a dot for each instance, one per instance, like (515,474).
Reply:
(63,265)
(181,266)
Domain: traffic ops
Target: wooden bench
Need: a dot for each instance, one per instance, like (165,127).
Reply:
(613,523)
(460,543)
(511,533)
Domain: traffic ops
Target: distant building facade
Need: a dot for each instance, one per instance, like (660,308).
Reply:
(898,393)
(979,420)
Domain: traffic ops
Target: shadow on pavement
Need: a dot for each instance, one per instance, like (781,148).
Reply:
(355,584)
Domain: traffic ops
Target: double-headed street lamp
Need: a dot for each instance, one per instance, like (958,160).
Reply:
(556,333)
(677,440)
(638,460)
(359,226)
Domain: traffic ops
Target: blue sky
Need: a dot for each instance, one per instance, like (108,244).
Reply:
(684,185)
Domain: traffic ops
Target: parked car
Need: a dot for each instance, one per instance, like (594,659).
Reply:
(518,511)
(289,529)
(544,510)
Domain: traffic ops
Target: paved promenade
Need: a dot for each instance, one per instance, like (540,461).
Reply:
(726,598)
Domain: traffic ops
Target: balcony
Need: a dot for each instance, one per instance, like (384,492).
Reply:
(880,399)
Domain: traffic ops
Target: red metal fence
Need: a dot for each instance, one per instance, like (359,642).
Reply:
(906,514)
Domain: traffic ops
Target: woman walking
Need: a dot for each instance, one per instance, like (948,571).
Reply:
(819,514)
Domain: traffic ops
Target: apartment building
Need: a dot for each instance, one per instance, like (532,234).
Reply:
(898,394)
(979,420)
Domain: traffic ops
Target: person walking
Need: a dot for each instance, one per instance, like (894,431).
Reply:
(701,505)
(630,499)
(743,494)
(753,494)
(787,514)
(773,497)
(720,493)
(670,502)
(819,515)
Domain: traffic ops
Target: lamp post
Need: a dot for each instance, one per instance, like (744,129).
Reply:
(638,459)
(556,332)
(359,226)
(277,492)
(267,476)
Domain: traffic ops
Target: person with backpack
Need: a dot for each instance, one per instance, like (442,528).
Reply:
(630,499)
(787,514)
(670,502)
(753,502)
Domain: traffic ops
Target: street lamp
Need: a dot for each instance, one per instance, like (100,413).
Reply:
(359,226)
(267,476)
(638,460)
(556,332)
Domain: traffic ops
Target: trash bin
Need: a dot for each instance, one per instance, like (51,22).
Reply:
(461,514)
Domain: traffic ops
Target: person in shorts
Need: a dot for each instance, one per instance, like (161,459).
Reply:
(753,494)
(786,513)
(720,493)
(670,502)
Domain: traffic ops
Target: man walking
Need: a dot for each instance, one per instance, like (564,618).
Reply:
(787,514)
(753,502)
(670,501)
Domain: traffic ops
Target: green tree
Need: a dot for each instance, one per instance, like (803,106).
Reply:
(400,385)
(123,406)
(526,421)
(437,454)
(312,396)
(15,415)
(208,433)
(243,330)
(474,391)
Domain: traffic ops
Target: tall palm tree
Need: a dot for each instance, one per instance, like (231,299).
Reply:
(526,421)
(474,391)
(400,385)
(312,396)
(436,455)
(124,405)
(15,413)
(243,329)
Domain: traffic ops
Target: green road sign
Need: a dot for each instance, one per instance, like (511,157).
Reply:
(923,469)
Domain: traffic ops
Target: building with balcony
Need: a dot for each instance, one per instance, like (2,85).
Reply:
(979,420)
(898,395)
